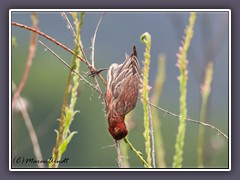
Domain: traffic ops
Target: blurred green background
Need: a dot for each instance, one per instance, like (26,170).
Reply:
(91,146)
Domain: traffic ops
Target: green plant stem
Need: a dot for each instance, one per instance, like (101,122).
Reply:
(139,154)
(124,146)
(182,65)
(61,125)
(67,114)
(157,91)
(205,91)
(146,39)
(201,133)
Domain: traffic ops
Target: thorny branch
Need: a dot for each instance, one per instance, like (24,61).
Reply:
(94,38)
(75,36)
(190,120)
(59,44)
(83,53)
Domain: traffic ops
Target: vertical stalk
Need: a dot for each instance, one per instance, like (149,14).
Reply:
(182,65)
(146,39)
(157,91)
(205,91)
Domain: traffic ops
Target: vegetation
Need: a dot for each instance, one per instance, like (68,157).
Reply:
(76,81)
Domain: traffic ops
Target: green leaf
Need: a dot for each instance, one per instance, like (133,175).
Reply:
(65,143)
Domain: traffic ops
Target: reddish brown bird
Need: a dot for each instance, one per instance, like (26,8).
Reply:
(122,93)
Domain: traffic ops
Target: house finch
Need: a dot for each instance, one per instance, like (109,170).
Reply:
(122,93)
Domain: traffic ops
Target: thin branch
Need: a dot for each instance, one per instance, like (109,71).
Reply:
(59,44)
(30,128)
(146,39)
(91,67)
(94,38)
(119,159)
(191,120)
(47,37)
(139,154)
(152,135)
(157,91)
(83,53)
(95,79)
(32,51)
(62,61)
(32,133)
(75,36)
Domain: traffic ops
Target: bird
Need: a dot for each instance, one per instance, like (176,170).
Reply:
(122,90)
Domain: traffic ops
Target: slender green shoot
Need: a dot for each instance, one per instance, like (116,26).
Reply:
(138,153)
(146,39)
(64,135)
(205,91)
(182,65)
(157,91)
(124,146)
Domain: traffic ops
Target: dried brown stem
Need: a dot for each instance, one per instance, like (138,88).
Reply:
(152,135)
(59,44)
(119,159)
(30,128)
(191,120)
(68,66)
(94,37)
(97,88)
(32,50)
(95,79)
(75,36)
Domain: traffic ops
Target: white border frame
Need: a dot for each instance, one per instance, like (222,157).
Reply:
(121,10)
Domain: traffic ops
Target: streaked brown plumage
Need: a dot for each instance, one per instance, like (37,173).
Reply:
(122,93)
